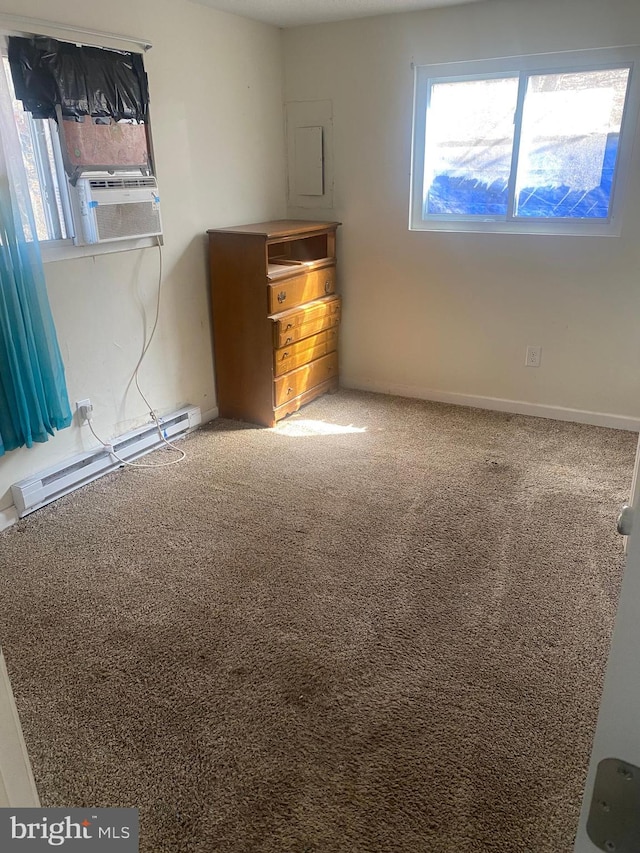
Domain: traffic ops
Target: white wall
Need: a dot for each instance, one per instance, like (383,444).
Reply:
(434,314)
(216,106)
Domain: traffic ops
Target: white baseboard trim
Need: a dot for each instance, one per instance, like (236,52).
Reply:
(8,516)
(516,407)
(211,415)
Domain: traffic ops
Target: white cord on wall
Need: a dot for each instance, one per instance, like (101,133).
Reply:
(152,412)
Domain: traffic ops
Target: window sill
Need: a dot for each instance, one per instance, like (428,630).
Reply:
(555,229)
(63,250)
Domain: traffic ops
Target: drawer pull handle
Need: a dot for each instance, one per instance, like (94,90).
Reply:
(289,325)
(289,390)
(288,341)
(282,296)
(285,355)
(328,286)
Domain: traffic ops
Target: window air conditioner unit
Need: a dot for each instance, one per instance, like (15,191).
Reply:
(118,208)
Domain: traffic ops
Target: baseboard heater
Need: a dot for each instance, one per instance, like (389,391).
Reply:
(52,483)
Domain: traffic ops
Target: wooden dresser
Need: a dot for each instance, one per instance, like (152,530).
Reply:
(275,316)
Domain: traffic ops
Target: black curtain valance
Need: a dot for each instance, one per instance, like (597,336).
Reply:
(83,81)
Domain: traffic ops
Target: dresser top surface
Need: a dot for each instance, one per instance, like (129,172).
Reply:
(278,228)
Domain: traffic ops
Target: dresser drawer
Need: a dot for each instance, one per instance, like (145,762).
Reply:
(301,288)
(297,402)
(306,350)
(303,378)
(292,326)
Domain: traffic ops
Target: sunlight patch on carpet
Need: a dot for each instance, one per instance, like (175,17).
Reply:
(307,427)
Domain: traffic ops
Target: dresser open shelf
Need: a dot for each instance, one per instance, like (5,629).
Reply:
(275,316)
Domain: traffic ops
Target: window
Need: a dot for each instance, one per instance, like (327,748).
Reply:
(536,144)
(82,119)
(43,164)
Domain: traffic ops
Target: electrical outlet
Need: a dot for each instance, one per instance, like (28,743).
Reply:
(84,408)
(533,356)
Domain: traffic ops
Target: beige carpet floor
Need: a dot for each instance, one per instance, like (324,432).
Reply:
(384,635)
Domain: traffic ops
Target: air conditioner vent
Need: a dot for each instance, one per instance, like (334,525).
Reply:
(121,183)
(115,221)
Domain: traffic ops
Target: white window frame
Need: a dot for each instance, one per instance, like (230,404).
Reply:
(522,66)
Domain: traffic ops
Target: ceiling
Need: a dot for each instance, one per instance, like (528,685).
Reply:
(293,13)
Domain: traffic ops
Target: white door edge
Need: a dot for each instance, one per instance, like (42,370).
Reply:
(17,785)
(617,732)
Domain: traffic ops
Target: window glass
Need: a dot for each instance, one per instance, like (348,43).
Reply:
(37,142)
(570,131)
(468,146)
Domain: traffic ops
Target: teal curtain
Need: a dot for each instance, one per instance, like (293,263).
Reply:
(33,394)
